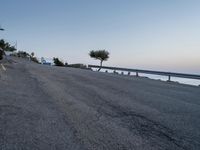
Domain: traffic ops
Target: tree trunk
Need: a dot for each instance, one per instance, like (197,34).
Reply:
(100,65)
(1,54)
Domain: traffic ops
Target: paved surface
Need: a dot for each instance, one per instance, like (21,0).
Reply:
(43,107)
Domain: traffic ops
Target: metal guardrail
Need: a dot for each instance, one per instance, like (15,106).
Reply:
(137,71)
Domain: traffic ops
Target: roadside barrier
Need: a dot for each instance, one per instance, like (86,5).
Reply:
(137,71)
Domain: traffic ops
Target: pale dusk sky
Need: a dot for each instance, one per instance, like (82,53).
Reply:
(145,34)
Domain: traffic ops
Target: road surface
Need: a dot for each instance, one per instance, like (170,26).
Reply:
(59,108)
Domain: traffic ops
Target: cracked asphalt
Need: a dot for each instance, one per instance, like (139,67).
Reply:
(45,107)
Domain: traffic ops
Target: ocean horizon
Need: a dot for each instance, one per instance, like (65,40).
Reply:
(194,82)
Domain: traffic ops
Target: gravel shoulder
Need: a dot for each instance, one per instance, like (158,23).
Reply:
(45,107)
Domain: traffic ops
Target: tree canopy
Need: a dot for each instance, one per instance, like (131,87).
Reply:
(6,46)
(101,55)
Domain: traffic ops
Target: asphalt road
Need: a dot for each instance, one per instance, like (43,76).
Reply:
(49,108)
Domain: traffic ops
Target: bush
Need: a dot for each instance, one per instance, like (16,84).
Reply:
(34,59)
(82,66)
(22,54)
(58,62)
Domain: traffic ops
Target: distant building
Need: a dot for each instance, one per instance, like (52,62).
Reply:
(45,62)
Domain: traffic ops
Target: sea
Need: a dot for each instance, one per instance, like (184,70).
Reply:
(159,77)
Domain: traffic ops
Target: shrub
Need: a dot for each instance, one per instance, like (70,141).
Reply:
(58,62)
(82,66)
(34,59)
(22,54)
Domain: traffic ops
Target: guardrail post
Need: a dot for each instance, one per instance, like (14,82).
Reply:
(137,74)
(169,78)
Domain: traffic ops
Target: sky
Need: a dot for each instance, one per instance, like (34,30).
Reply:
(144,34)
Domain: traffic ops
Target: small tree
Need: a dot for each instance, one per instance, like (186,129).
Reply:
(33,58)
(101,55)
(32,54)
(57,62)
